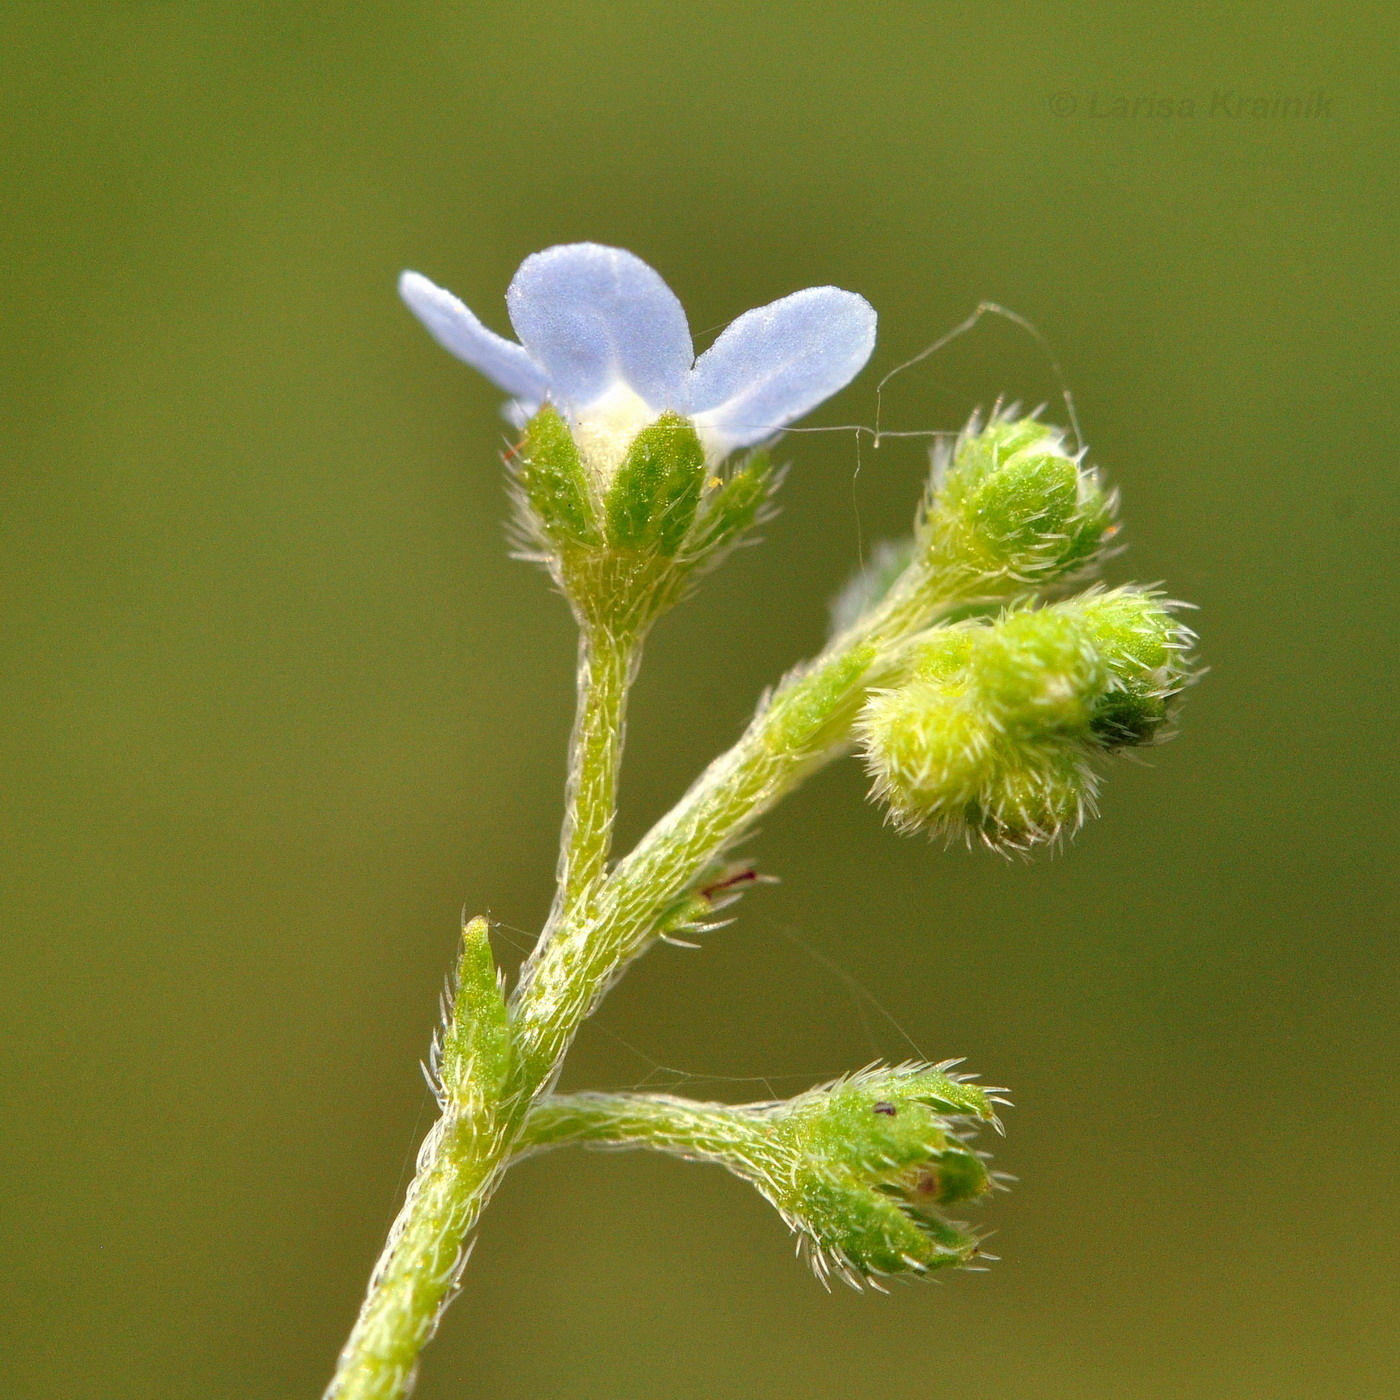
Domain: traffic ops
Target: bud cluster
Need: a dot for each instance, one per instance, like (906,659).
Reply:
(992,731)
(621,544)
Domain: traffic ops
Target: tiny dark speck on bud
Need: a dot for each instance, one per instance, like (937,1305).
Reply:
(888,1109)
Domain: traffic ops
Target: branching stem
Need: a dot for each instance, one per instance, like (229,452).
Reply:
(802,725)
(601,922)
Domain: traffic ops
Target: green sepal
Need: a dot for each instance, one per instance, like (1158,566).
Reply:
(1039,506)
(652,500)
(1128,719)
(1038,793)
(953,1176)
(623,545)
(1142,645)
(476,1049)
(854,1228)
(551,477)
(720,884)
(732,507)
(885,1115)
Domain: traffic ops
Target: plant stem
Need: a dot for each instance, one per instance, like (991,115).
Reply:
(696,1132)
(458,1167)
(462,1158)
(459,1164)
(805,723)
(608,661)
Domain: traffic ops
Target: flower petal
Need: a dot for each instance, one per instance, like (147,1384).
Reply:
(453,326)
(774,363)
(595,317)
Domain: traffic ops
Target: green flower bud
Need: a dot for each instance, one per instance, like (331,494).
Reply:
(933,755)
(992,731)
(872,1161)
(1010,506)
(1041,793)
(941,764)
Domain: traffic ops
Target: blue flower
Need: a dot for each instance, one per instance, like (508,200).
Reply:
(606,341)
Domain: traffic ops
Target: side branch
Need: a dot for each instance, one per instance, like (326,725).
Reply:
(696,1132)
(861,1168)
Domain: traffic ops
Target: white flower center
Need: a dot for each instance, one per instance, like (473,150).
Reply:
(605,429)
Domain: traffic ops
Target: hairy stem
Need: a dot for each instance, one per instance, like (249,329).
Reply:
(804,724)
(696,1132)
(599,923)
(458,1167)
(462,1158)
(459,1164)
(608,661)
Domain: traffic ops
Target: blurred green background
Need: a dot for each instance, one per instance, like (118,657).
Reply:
(277,704)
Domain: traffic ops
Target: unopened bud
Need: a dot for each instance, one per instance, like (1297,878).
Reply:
(873,1160)
(992,733)
(1010,506)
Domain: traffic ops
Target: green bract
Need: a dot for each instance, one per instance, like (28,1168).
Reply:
(473,1057)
